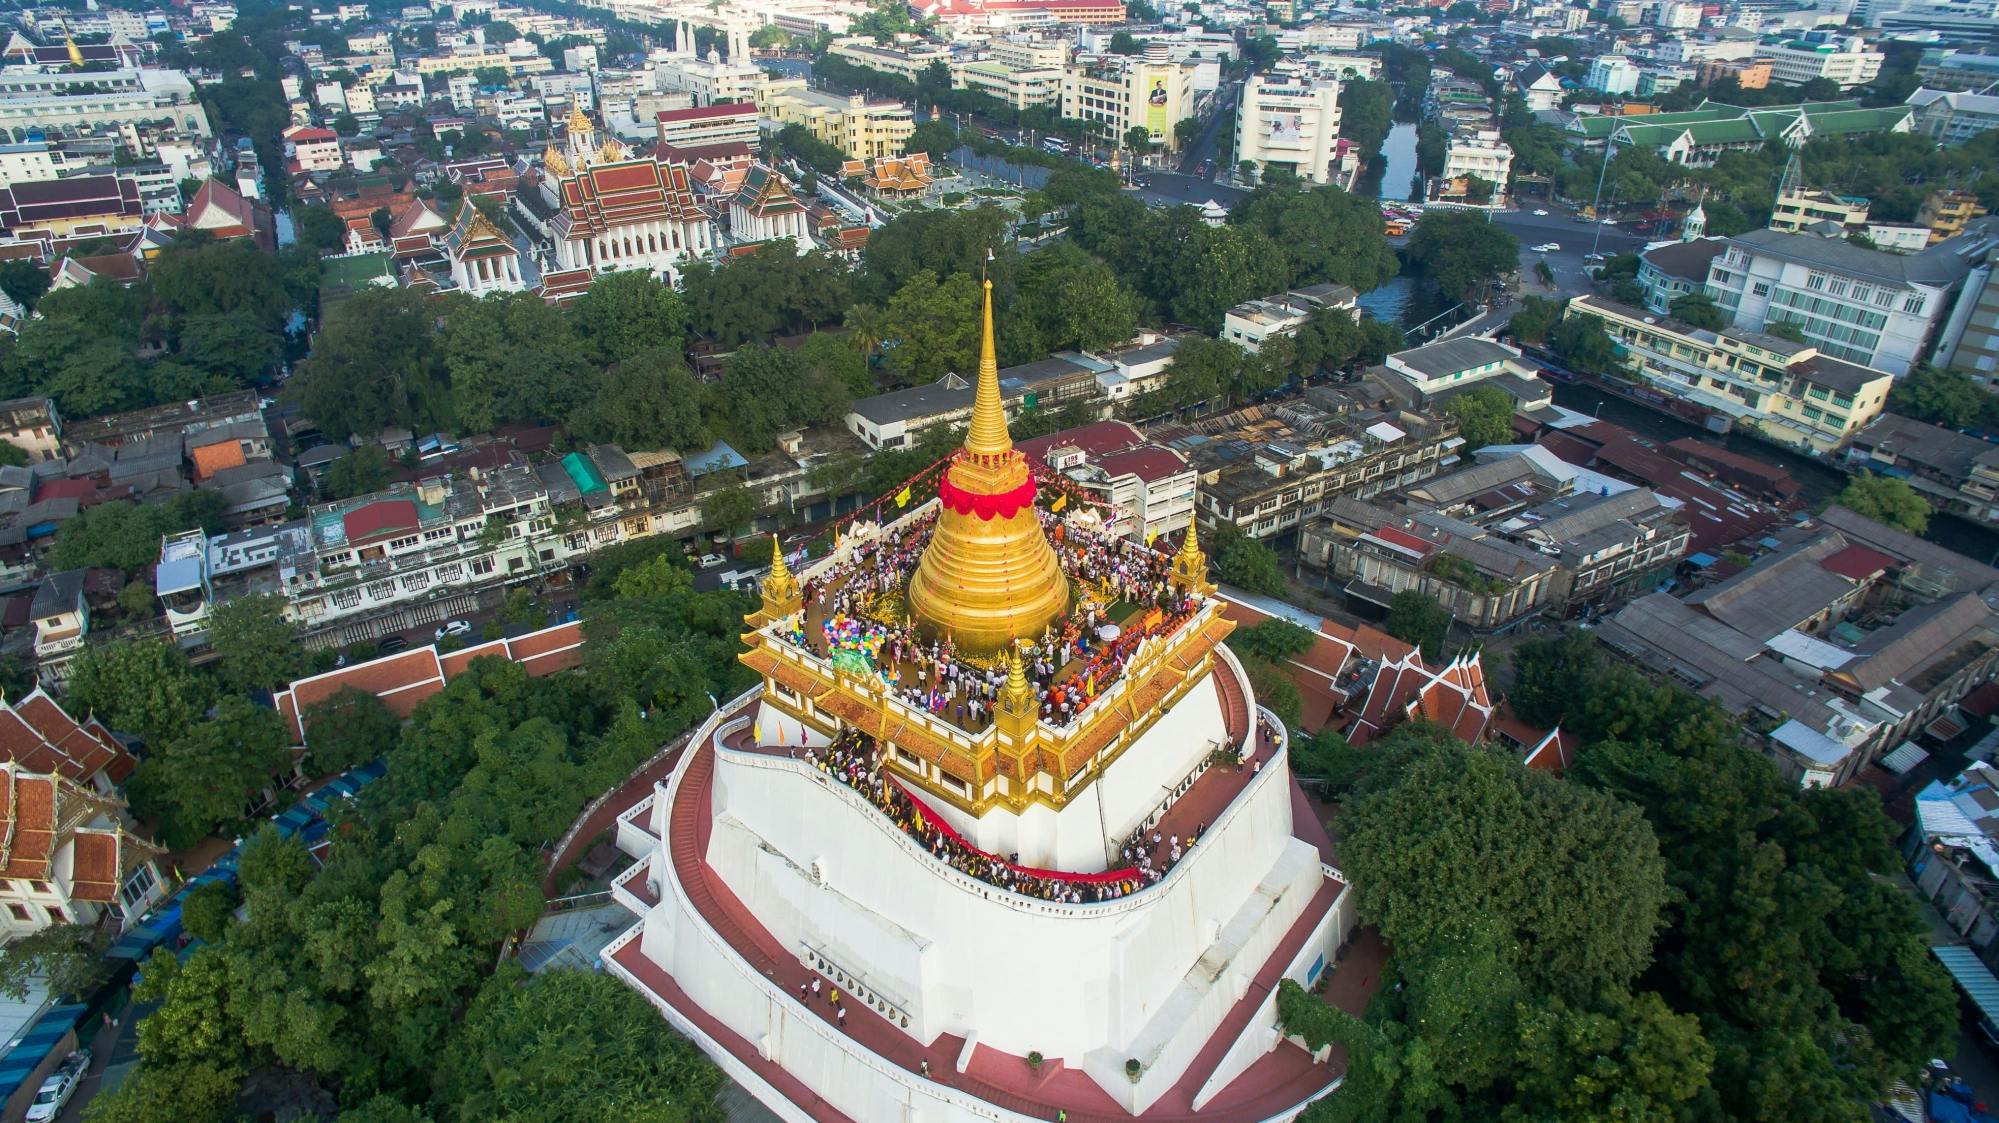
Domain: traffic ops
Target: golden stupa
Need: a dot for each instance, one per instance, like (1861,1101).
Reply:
(988,576)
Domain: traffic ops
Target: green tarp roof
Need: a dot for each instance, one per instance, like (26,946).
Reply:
(588,478)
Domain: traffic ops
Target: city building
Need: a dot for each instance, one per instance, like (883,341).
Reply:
(1952,850)
(1957,473)
(763,209)
(1122,93)
(1973,70)
(1842,642)
(608,209)
(80,206)
(1479,154)
(709,81)
(1019,87)
(862,128)
(1948,214)
(1970,341)
(99,102)
(1863,306)
(1950,117)
(906,61)
(1612,74)
(1797,208)
(1848,61)
(1699,137)
(1671,270)
(1003,15)
(1782,391)
(891,177)
(32,425)
(1150,486)
(313,149)
(71,856)
(1290,121)
(705,125)
(1436,371)
(1248,324)
(1540,87)
(768,863)
(896,419)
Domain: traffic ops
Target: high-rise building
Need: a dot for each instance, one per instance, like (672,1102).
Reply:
(1124,92)
(1289,120)
(1059,868)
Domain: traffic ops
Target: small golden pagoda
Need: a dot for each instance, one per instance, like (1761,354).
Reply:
(988,576)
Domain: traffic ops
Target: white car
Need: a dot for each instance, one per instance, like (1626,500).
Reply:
(454,628)
(710,561)
(61,1084)
(1540,214)
(1608,221)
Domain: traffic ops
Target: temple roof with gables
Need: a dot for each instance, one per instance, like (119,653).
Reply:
(604,197)
(765,195)
(474,235)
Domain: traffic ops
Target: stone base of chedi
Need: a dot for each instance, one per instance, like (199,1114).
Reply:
(1059,867)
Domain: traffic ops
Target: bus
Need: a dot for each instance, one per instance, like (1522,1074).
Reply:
(1055,144)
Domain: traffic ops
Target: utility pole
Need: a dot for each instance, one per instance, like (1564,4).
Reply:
(1597,203)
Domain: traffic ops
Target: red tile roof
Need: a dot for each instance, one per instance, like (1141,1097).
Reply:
(379,519)
(710,112)
(1857,563)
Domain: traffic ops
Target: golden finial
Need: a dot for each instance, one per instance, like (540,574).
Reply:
(781,596)
(578,123)
(555,162)
(611,151)
(75,52)
(1016,677)
(1190,565)
(988,436)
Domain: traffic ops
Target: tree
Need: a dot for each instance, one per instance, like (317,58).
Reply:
(67,959)
(1124,43)
(572,1045)
(1583,342)
(1550,674)
(729,509)
(375,363)
(647,401)
(345,124)
(1887,500)
(1536,318)
(1138,138)
(1951,397)
(208,909)
(1366,114)
(126,536)
(140,687)
(1459,251)
(1416,617)
(1461,842)
(1325,234)
(361,471)
(351,728)
(23,281)
(318,227)
(1784,329)
(512,357)
(1224,267)
(1698,310)
(768,390)
(628,312)
(1244,562)
(1484,415)
(1431,143)
(202,779)
(1186,130)
(932,327)
(1275,639)
(256,647)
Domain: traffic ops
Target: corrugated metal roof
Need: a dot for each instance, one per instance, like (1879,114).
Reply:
(1973,976)
(1905,758)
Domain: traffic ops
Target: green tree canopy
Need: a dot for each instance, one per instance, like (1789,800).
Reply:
(1416,617)
(375,363)
(1324,234)
(1484,415)
(1947,397)
(202,779)
(627,313)
(1459,251)
(1887,500)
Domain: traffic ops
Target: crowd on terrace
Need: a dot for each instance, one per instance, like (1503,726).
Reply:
(1075,659)
(856,761)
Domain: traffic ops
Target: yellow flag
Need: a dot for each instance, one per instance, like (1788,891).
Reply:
(1061,501)
(757,731)
(902,498)
(1150,535)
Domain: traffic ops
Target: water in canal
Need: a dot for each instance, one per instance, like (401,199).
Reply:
(1820,480)
(1394,175)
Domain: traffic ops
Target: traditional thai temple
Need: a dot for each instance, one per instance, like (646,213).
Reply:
(763,209)
(617,210)
(1005,790)
(482,259)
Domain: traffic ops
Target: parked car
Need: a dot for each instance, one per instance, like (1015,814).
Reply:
(710,561)
(454,628)
(390,644)
(56,1091)
(1540,214)
(1548,247)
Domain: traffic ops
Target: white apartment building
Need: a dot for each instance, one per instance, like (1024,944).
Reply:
(699,126)
(1248,324)
(1868,307)
(904,62)
(1952,118)
(1026,53)
(1289,120)
(1613,74)
(1850,62)
(1480,154)
(1124,92)
(710,80)
(88,101)
(29,163)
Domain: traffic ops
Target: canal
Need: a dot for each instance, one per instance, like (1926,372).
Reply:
(1820,481)
(1401,301)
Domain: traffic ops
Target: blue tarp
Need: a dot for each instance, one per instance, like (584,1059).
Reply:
(1703,560)
(23,1059)
(717,458)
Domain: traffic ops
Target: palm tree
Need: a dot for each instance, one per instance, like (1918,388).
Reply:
(864,322)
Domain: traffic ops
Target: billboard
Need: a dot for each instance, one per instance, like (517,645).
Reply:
(1286,128)
(1155,108)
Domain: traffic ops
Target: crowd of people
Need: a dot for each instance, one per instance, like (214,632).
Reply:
(855,760)
(1074,660)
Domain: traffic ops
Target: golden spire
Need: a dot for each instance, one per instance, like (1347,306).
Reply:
(611,151)
(75,52)
(1016,679)
(988,436)
(555,162)
(1190,565)
(578,123)
(988,576)
(781,595)
(1018,710)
